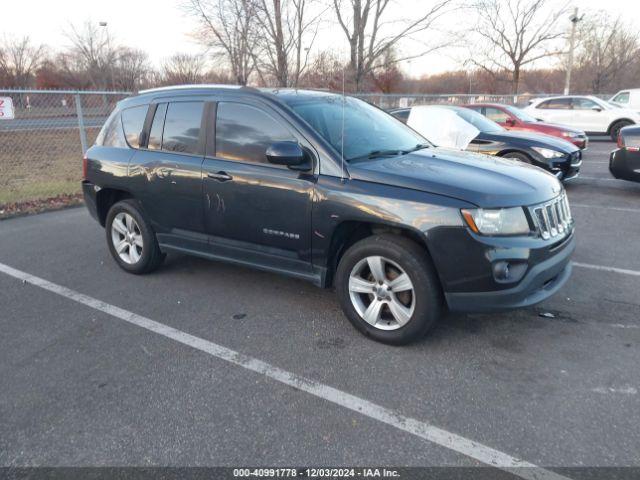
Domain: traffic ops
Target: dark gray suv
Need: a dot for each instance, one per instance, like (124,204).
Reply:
(332,190)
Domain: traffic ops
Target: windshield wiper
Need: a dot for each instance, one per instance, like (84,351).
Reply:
(420,146)
(388,153)
(377,154)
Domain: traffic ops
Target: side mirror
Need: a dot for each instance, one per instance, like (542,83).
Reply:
(510,122)
(289,154)
(596,109)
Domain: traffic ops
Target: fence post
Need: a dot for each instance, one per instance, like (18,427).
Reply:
(83,132)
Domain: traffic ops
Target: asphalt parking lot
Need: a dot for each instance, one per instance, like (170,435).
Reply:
(85,383)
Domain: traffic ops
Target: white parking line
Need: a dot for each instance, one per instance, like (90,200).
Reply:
(603,268)
(426,431)
(596,178)
(604,207)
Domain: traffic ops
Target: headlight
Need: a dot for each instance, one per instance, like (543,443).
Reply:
(548,153)
(499,221)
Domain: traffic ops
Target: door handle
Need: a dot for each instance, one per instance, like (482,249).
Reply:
(220,176)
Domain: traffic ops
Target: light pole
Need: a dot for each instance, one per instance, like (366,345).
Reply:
(105,25)
(572,40)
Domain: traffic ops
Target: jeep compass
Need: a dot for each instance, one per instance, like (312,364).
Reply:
(329,189)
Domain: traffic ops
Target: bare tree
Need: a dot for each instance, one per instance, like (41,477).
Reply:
(365,24)
(517,33)
(228,28)
(182,68)
(94,52)
(290,31)
(132,69)
(607,49)
(19,60)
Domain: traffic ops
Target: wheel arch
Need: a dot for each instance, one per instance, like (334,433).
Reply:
(506,151)
(347,233)
(106,198)
(618,120)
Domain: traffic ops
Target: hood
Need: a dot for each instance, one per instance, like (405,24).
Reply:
(529,139)
(485,181)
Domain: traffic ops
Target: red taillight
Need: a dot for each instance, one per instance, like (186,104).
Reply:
(84,167)
(620,141)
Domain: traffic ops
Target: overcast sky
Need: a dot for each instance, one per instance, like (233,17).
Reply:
(161,28)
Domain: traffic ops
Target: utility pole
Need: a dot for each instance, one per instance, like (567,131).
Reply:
(572,43)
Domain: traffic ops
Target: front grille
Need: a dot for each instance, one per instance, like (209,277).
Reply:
(553,219)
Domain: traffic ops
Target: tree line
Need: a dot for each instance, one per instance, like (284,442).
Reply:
(276,43)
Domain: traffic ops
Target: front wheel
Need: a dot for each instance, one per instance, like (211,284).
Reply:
(388,289)
(131,240)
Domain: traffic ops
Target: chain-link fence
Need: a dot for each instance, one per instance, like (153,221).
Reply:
(41,148)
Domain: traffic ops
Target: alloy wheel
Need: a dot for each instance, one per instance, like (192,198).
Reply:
(382,293)
(127,238)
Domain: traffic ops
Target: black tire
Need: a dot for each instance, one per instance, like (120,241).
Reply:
(151,256)
(411,258)
(616,127)
(523,157)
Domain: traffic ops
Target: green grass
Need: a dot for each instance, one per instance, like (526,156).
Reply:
(40,164)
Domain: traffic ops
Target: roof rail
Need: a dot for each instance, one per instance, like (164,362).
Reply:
(185,87)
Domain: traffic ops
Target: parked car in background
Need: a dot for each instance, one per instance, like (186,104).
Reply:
(627,99)
(591,114)
(328,189)
(513,118)
(559,157)
(624,163)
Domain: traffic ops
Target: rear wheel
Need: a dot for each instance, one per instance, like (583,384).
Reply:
(616,127)
(388,289)
(131,240)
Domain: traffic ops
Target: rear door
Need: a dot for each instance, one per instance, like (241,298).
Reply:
(555,110)
(261,210)
(167,169)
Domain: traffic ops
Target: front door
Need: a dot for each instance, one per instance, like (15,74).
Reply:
(589,116)
(259,210)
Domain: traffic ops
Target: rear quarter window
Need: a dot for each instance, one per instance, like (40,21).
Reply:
(111,134)
(133,123)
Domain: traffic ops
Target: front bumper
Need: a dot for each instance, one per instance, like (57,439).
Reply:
(541,281)
(569,168)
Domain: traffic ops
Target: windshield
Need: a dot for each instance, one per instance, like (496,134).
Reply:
(478,120)
(521,115)
(367,130)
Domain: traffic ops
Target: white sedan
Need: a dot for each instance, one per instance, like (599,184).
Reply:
(594,116)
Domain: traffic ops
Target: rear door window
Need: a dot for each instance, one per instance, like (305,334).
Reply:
(133,123)
(182,127)
(556,104)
